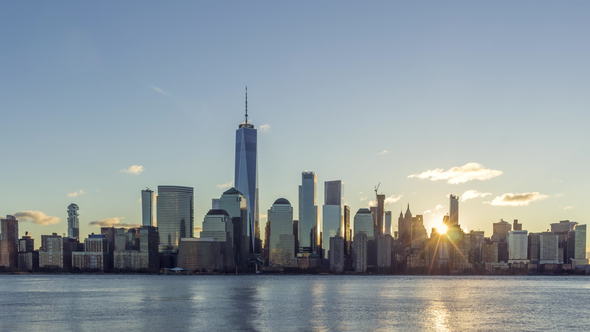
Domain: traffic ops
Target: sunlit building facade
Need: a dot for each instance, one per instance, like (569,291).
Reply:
(308,211)
(175,215)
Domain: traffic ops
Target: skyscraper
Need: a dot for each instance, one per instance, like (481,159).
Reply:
(148,201)
(246,173)
(332,223)
(454,210)
(308,210)
(282,241)
(175,215)
(236,206)
(388,221)
(379,216)
(9,242)
(363,223)
(73,222)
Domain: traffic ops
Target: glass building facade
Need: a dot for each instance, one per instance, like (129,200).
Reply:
(246,175)
(308,210)
(175,215)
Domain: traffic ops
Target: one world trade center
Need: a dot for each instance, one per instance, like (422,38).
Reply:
(246,174)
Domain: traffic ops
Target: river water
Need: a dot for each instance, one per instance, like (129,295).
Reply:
(292,303)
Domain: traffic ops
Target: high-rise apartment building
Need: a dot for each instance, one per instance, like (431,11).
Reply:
(73,222)
(308,211)
(175,215)
(148,210)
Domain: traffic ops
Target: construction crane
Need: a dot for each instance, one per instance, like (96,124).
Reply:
(377,189)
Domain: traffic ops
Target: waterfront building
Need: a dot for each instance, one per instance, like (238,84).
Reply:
(245,175)
(137,250)
(336,254)
(565,232)
(476,239)
(55,253)
(418,232)
(308,211)
(534,248)
(549,248)
(216,225)
(201,255)
(9,243)
(490,251)
(579,256)
(499,235)
(332,221)
(96,255)
(148,211)
(28,257)
(517,246)
(73,222)
(282,242)
(359,252)
(388,223)
(175,215)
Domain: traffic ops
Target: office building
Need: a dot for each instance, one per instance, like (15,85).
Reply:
(282,243)
(500,234)
(336,254)
(175,215)
(308,211)
(216,225)
(534,248)
(235,204)
(73,222)
(28,258)
(96,255)
(9,243)
(579,257)
(148,207)
(136,250)
(517,246)
(549,248)
(245,175)
(363,223)
(384,249)
(332,221)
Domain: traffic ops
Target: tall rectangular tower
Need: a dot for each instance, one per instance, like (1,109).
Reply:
(148,202)
(175,215)
(308,211)
(332,221)
(454,210)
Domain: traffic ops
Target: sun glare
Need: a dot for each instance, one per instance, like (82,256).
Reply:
(442,229)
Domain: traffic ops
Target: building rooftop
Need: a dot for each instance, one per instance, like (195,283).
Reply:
(282,201)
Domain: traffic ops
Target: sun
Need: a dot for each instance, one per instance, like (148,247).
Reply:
(442,229)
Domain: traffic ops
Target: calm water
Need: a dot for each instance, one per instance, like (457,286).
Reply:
(291,303)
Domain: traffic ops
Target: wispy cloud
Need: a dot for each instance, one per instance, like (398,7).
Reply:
(569,207)
(226,185)
(458,174)
(388,200)
(76,193)
(383,152)
(264,128)
(159,90)
(472,194)
(518,199)
(112,222)
(133,170)
(36,217)
(438,208)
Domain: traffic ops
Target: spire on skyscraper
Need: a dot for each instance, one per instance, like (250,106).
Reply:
(246,105)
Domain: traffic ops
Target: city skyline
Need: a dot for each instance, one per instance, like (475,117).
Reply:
(441,111)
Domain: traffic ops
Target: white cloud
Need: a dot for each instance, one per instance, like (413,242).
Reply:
(472,194)
(36,217)
(133,170)
(112,222)
(225,185)
(264,127)
(459,174)
(76,193)
(518,199)
(159,90)
(438,208)
(383,152)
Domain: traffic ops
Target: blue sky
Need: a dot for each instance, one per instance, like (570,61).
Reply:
(363,92)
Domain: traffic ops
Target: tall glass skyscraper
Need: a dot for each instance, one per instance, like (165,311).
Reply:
(308,210)
(175,215)
(73,222)
(246,173)
(148,200)
(332,221)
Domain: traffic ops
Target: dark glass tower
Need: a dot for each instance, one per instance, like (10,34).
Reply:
(246,173)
